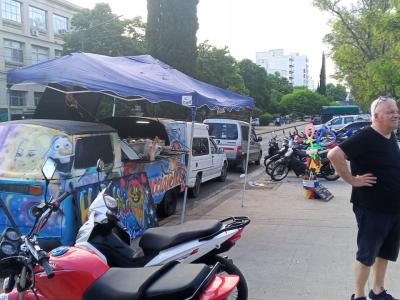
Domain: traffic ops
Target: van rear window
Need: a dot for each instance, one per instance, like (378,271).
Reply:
(223,131)
(89,149)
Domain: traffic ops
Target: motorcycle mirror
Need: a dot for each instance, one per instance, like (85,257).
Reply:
(100,166)
(111,203)
(49,168)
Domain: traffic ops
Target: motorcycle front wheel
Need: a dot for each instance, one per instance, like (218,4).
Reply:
(270,166)
(279,172)
(329,172)
(227,267)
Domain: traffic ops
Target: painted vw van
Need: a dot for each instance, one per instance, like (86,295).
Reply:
(139,185)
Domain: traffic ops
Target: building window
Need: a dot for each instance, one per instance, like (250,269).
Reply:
(36,97)
(11,10)
(39,54)
(37,18)
(60,24)
(57,53)
(13,51)
(17,98)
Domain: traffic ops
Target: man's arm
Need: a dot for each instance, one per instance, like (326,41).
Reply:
(338,159)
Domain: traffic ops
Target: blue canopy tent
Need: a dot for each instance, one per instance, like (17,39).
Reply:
(129,78)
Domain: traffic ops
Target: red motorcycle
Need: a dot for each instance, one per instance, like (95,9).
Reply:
(75,273)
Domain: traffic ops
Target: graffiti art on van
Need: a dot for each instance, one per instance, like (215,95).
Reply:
(136,208)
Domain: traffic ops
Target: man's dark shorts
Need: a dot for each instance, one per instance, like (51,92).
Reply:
(378,235)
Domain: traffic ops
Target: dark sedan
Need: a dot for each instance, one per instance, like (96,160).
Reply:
(352,127)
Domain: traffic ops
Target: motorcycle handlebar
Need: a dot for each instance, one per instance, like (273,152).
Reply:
(47,268)
(56,202)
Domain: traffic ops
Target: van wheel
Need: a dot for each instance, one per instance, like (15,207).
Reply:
(167,207)
(195,191)
(242,165)
(224,173)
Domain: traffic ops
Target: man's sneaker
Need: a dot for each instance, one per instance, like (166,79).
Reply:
(381,296)
(359,298)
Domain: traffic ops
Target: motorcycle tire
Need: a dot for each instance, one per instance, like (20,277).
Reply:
(279,172)
(270,166)
(328,172)
(241,292)
(265,160)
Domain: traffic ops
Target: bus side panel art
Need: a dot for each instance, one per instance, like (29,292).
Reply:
(136,208)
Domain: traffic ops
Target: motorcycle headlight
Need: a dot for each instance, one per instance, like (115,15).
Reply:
(110,202)
(11,234)
(8,248)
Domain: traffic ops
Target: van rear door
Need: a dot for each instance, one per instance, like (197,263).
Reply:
(226,136)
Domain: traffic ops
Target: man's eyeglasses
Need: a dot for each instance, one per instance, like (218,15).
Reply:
(380,99)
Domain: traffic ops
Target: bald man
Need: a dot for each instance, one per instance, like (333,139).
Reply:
(374,157)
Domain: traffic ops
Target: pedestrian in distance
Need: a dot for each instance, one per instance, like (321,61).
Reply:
(374,157)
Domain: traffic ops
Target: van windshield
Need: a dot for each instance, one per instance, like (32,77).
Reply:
(223,131)
(24,149)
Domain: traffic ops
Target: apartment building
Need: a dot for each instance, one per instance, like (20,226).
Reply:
(294,67)
(31,31)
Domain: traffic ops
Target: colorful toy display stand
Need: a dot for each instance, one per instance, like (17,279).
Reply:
(313,189)
(309,186)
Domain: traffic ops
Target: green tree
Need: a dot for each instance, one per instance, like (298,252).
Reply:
(102,32)
(171,32)
(365,46)
(336,92)
(255,80)
(304,102)
(322,77)
(219,68)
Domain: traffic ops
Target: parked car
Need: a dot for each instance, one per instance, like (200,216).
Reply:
(340,121)
(139,184)
(232,136)
(208,160)
(316,120)
(352,128)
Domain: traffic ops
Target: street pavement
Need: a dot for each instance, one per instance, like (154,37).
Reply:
(294,248)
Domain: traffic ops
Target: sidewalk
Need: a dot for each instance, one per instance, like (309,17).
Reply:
(293,248)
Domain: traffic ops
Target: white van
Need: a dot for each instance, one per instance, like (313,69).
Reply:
(232,135)
(208,161)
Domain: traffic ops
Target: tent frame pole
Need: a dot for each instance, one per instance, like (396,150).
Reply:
(188,164)
(247,158)
(114,104)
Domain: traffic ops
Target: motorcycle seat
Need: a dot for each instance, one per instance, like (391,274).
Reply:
(180,282)
(160,238)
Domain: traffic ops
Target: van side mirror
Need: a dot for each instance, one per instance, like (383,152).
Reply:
(259,139)
(49,168)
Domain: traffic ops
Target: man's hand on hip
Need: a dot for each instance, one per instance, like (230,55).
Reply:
(367,179)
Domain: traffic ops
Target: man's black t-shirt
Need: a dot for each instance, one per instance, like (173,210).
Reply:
(370,152)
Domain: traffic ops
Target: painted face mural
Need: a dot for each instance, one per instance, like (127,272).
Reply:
(136,199)
(62,152)
(24,150)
